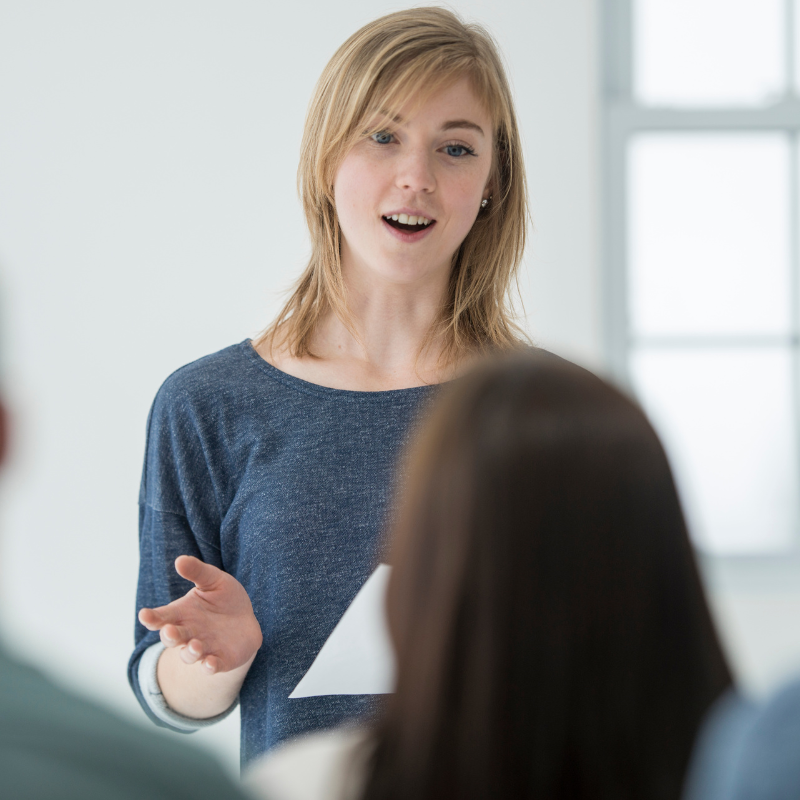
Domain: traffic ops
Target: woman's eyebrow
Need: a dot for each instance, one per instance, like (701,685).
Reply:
(462,123)
(447,126)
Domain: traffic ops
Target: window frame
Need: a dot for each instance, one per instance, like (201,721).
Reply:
(622,118)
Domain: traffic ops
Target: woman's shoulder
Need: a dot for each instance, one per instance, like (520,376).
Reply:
(220,382)
(217,369)
(329,765)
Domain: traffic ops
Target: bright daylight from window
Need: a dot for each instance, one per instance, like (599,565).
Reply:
(709,181)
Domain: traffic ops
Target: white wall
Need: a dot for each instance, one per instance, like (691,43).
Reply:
(148,216)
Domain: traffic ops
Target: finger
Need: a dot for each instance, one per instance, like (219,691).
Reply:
(151,619)
(173,635)
(203,576)
(156,618)
(212,665)
(192,653)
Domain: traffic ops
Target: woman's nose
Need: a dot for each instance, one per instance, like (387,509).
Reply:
(415,172)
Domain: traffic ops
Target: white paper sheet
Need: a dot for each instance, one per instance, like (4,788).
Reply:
(357,657)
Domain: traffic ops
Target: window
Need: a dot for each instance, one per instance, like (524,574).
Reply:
(702,252)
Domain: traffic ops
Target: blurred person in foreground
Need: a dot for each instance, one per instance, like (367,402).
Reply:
(552,634)
(54,744)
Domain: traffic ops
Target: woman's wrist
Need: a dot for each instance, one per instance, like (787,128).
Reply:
(191,691)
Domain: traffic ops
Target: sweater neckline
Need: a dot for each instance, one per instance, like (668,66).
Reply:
(301,385)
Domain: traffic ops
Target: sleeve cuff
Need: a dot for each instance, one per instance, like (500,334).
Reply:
(151,691)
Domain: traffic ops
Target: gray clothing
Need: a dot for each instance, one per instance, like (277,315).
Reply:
(54,744)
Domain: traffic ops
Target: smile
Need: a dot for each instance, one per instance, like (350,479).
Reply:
(404,222)
(406,232)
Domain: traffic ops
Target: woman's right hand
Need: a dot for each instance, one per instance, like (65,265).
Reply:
(213,623)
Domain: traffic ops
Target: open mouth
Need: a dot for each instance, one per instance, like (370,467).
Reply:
(402,222)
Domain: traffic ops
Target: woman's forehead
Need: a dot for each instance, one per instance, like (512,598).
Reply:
(454,104)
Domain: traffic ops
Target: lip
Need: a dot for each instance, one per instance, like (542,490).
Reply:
(412,212)
(408,236)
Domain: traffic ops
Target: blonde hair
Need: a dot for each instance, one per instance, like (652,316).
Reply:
(382,66)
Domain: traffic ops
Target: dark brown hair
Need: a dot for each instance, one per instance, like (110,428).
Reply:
(552,633)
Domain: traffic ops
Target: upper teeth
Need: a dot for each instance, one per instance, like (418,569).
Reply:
(404,219)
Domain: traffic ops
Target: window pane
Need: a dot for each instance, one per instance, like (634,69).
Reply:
(709,235)
(726,420)
(796,44)
(708,52)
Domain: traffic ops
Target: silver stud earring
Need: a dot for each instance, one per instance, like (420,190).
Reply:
(484,202)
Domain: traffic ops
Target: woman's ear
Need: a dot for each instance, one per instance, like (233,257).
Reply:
(491,185)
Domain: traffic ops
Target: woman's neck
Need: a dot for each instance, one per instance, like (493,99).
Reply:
(384,349)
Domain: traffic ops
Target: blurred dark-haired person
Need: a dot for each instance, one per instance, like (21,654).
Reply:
(54,744)
(552,635)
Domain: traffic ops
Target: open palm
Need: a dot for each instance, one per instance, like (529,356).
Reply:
(213,622)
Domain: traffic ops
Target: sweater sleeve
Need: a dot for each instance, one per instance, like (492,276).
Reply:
(151,692)
(178,515)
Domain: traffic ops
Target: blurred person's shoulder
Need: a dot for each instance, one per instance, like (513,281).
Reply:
(717,748)
(329,765)
(748,750)
(54,743)
(768,766)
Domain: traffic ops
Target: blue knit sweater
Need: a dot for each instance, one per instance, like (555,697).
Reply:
(285,485)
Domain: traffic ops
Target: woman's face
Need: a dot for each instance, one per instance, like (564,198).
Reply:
(433,166)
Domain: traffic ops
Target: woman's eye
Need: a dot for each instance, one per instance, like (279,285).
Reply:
(382,137)
(458,150)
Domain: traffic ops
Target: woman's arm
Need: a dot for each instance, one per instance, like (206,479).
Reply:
(191,691)
(211,637)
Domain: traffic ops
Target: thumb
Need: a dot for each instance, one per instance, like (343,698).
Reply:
(203,576)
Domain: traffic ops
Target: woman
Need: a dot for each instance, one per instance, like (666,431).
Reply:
(268,464)
(552,635)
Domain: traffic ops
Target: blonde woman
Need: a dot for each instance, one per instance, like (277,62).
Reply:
(269,465)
